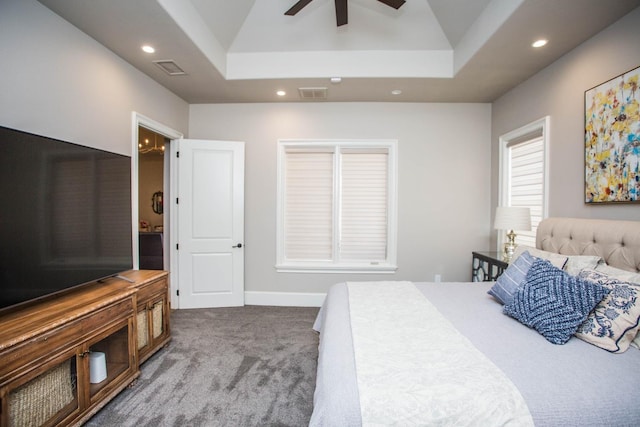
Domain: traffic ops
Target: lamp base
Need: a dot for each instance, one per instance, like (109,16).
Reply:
(509,247)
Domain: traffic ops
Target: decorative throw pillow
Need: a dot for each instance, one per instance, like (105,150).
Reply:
(555,259)
(624,275)
(509,281)
(615,321)
(576,263)
(553,302)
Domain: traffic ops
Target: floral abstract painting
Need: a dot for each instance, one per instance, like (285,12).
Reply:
(612,140)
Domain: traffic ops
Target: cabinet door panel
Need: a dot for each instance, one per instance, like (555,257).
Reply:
(152,318)
(157,314)
(142,328)
(46,397)
(108,359)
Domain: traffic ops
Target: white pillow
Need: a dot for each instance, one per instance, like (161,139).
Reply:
(556,260)
(576,263)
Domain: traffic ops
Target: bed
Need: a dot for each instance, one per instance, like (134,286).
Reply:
(576,383)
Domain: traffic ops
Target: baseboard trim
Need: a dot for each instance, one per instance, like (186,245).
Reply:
(284,299)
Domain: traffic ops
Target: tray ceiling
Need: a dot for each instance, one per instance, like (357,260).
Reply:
(430,50)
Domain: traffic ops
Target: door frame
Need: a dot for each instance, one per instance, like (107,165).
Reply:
(138,120)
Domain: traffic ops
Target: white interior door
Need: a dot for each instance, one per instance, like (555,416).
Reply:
(210,217)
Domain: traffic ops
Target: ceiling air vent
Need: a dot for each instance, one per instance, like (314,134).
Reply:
(170,67)
(313,93)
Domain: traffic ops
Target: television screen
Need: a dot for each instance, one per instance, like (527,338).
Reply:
(65,216)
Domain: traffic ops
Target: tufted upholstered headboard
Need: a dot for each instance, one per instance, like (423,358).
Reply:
(617,242)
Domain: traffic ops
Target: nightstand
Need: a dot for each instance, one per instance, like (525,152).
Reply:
(487,266)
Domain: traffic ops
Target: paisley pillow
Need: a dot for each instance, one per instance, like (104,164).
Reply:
(624,275)
(615,321)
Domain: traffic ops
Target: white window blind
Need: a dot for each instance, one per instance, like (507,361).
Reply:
(526,183)
(363,212)
(308,205)
(335,206)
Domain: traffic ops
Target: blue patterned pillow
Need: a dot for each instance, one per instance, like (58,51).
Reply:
(615,321)
(554,303)
(509,281)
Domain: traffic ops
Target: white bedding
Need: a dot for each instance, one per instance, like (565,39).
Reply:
(414,368)
(576,384)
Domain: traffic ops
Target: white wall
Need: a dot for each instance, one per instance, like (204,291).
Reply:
(444,180)
(558,91)
(57,81)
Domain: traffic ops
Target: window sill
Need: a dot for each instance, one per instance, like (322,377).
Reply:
(377,269)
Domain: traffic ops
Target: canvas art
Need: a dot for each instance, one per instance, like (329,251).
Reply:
(612,140)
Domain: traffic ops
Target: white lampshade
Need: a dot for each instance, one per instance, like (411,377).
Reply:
(512,218)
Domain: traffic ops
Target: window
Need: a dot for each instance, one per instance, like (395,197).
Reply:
(336,206)
(523,175)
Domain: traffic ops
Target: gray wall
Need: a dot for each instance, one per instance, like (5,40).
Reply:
(558,91)
(444,153)
(59,82)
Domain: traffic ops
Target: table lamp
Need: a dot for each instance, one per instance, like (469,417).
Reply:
(512,218)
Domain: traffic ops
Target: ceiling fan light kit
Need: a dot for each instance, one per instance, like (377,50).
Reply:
(342,17)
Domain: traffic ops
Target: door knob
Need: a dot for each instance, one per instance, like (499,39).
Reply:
(239,245)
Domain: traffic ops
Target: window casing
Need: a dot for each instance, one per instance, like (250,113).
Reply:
(336,206)
(523,175)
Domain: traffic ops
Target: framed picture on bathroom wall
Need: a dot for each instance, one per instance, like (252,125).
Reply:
(612,140)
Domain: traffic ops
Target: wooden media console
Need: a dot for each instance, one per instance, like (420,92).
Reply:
(46,348)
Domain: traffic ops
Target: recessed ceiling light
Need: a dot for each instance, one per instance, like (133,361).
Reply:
(148,49)
(539,43)
(336,80)
(281,93)
(396,92)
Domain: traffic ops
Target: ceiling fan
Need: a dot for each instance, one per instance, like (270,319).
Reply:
(341,8)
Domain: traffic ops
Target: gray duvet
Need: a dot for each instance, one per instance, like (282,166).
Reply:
(576,384)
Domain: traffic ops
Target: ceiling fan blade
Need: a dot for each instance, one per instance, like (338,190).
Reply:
(297,7)
(341,12)
(393,3)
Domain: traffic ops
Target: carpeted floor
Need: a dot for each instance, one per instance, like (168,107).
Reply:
(241,366)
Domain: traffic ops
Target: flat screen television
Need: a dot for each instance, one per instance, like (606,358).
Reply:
(65,216)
